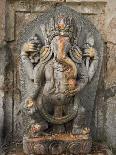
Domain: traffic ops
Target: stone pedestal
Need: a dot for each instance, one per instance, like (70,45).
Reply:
(57,144)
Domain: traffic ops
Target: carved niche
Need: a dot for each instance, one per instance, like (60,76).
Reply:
(61,56)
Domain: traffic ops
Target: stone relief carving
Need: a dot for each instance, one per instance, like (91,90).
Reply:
(58,70)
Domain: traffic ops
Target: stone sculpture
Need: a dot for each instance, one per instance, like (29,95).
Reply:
(58,71)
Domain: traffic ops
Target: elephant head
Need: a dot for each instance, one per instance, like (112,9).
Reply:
(59,36)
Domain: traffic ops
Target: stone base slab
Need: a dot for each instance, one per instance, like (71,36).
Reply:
(57,144)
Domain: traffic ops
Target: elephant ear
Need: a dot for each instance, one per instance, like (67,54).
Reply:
(76,54)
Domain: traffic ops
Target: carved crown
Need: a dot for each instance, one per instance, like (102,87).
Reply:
(62,25)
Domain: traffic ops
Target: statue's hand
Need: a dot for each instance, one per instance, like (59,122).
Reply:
(85,131)
(72,92)
(30,105)
(90,52)
(28,48)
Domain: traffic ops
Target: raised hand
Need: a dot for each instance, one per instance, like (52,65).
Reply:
(90,52)
(29,48)
(30,106)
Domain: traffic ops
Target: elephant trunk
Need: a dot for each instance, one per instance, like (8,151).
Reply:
(64,59)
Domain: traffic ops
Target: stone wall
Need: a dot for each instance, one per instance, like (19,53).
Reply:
(110,73)
(14,15)
(106,99)
(3,64)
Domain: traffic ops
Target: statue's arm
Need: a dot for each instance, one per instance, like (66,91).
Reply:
(82,75)
(91,61)
(26,50)
(28,66)
(29,49)
(93,66)
(38,72)
(38,75)
(90,56)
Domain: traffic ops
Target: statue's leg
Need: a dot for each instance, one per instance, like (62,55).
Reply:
(39,125)
(68,125)
(78,123)
(35,124)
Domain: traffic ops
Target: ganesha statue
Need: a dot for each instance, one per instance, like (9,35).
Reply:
(59,70)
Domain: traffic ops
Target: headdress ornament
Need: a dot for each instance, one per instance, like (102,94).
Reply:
(63,26)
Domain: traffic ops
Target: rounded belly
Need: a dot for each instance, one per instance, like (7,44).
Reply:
(55,94)
(54,89)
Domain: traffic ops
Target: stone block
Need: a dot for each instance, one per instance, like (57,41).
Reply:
(93,1)
(111,32)
(111,121)
(110,79)
(53,1)
(2,20)
(87,8)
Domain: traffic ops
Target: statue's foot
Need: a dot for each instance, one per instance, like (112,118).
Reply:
(30,106)
(76,131)
(41,126)
(43,134)
(38,134)
(79,131)
(85,131)
(37,129)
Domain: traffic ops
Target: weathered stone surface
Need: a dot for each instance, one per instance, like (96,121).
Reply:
(53,0)
(84,27)
(21,5)
(110,74)
(2,67)
(110,78)
(97,150)
(104,1)
(110,21)
(88,8)
(94,10)
(111,120)
(112,30)
(2,20)
(3,64)
(32,6)
(42,7)
(10,24)
(27,17)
